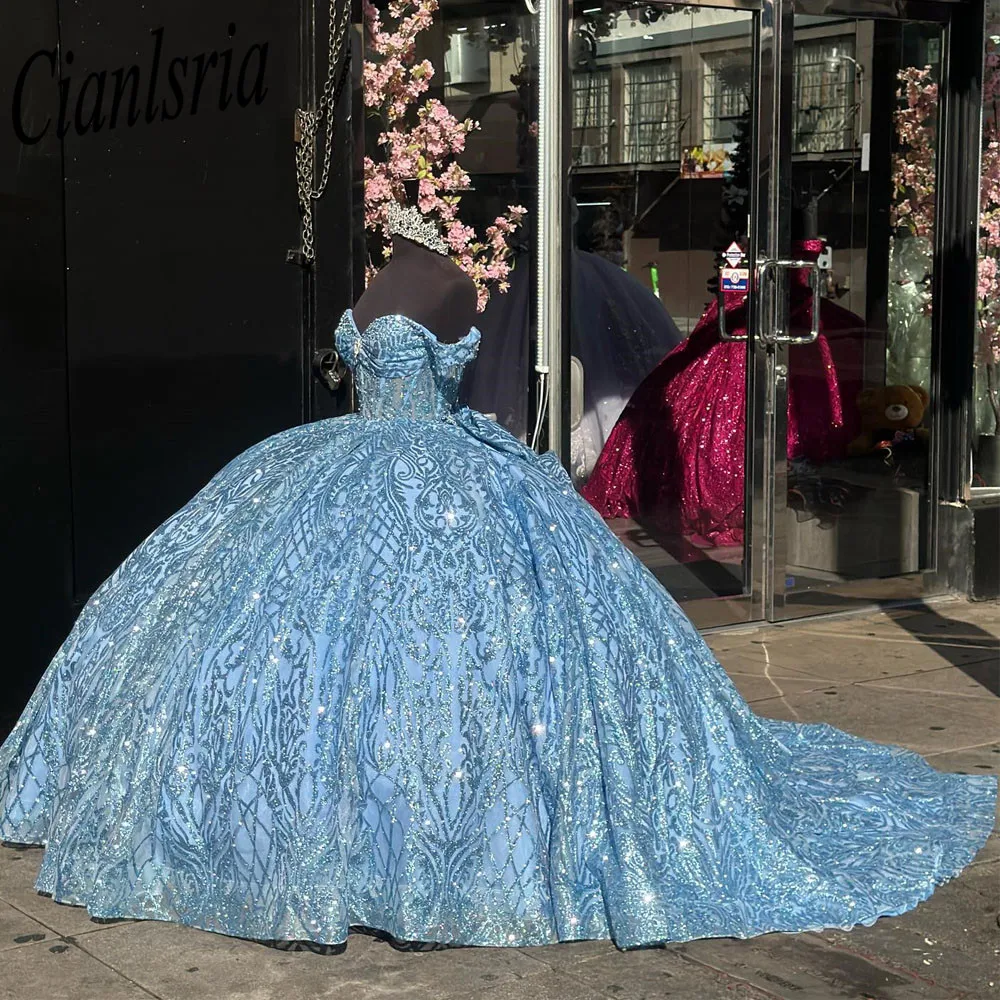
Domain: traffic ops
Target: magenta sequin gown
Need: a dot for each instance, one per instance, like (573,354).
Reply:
(675,456)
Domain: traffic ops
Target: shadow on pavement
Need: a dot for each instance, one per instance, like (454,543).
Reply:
(954,640)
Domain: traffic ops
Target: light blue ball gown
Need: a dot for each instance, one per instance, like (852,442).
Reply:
(390,670)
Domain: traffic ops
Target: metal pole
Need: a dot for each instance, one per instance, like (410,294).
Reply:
(551,51)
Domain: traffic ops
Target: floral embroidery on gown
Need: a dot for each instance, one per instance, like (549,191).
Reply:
(390,670)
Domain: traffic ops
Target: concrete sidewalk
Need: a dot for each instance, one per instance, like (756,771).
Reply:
(924,678)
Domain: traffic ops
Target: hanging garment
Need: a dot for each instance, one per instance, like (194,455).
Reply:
(619,331)
(676,455)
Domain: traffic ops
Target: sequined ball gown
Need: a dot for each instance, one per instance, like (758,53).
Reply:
(390,670)
(676,455)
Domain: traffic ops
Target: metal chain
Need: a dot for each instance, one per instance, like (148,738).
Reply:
(307,128)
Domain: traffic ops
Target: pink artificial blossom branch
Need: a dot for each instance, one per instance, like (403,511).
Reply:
(421,141)
(988,290)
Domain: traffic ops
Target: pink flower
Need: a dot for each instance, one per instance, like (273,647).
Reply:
(459,236)
(421,141)
(914,166)
(988,285)
(454,178)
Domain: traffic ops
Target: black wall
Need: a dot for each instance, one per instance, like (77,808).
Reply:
(36,582)
(151,325)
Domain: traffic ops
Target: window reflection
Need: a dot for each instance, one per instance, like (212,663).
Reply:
(652,98)
(670,476)
(592,116)
(826,111)
(727,88)
(662,159)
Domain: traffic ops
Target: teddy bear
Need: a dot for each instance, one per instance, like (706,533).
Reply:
(890,416)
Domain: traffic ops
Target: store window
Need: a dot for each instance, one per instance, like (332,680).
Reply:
(452,124)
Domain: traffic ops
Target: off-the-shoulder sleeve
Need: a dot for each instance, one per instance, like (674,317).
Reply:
(458,354)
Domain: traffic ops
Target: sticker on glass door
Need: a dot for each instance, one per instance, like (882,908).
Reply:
(735,277)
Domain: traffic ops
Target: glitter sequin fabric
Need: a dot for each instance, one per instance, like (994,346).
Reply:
(389,670)
(676,455)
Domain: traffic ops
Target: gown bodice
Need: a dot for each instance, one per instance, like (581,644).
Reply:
(401,370)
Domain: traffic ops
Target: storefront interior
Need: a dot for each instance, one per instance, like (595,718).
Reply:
(725,313)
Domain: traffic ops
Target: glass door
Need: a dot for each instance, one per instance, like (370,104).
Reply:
(666,112)
(752,195)
(847,314)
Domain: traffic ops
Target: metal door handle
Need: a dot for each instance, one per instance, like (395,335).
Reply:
(724,334)
(778,334)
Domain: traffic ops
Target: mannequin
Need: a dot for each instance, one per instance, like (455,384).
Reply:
(423,286)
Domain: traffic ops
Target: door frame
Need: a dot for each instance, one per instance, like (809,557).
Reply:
(766,477)
(770,361)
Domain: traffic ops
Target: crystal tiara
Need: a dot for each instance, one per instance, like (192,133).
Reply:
(410,223)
